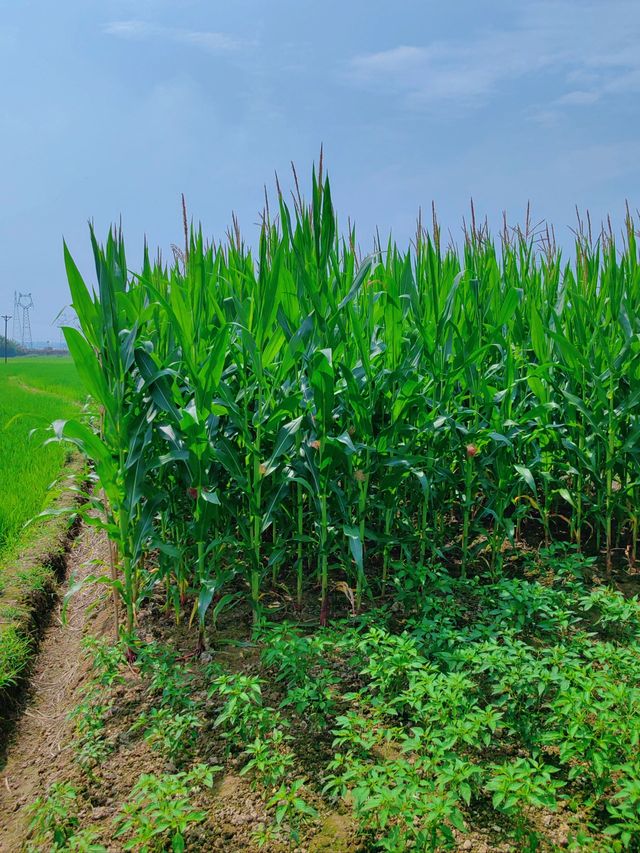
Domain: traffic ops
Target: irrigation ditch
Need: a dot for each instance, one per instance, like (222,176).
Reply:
(32,574)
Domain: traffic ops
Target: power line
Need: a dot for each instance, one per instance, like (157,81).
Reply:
(6,318)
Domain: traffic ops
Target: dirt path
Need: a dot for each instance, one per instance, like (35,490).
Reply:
(35,757)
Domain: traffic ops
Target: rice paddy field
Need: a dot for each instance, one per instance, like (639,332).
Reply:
(34,392)
(375,523)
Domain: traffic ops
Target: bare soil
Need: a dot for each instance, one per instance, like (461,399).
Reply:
(38,750)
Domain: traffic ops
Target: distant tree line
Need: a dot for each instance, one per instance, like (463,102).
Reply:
(13,348)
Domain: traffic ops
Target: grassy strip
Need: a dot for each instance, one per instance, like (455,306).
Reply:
(30,572)
(33,394)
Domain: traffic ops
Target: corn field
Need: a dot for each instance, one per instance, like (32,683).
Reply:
(304,419)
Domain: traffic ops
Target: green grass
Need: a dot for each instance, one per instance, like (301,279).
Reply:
(33,393)
(15,651)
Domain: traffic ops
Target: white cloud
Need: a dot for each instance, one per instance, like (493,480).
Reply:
(578,97)
(588,50)
(135,30)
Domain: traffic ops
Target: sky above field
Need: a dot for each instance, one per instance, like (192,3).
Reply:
(111,109)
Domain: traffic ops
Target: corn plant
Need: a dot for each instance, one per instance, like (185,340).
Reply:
(304,417)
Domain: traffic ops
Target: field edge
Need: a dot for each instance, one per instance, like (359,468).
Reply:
(31,572)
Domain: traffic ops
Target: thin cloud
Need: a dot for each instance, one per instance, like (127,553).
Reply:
(590,55)
(135,30)
(444,70)
(399,61)
(578,98)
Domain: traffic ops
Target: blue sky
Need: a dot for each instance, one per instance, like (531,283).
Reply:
(114,108)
